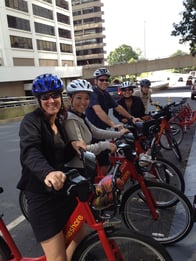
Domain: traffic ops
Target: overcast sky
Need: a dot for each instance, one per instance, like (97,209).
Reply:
(143,24)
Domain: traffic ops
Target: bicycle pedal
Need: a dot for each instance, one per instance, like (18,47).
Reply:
(113,222)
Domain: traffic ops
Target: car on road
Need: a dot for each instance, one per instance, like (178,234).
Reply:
(114,91)
(193,89)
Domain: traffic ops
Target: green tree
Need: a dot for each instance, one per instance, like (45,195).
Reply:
(122,54)
(186,28)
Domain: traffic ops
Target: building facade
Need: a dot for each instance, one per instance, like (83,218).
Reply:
(35,37)
(88,30)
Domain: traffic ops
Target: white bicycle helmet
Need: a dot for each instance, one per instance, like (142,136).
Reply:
(126,84)
(100,72)
(79,85)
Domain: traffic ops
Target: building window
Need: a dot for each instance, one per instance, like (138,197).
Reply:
(42,12)
(66,48)
(46,45)
(64,33)
(21,42)
(77,22)
(17,4)
(86,42)
(48,1)
(88,10)
(18,23)
(44,29)
(78,32)
(92,20)
(63,4)
(89,51)
(63,18)
(76,13)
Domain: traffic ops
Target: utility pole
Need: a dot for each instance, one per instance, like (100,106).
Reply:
(144,39)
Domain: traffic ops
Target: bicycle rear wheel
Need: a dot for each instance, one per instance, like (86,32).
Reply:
(177,132)
(170,143)
(126,246)
(175,218)
(23,204)
(166,172)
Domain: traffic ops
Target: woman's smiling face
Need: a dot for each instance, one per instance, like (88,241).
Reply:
(51,102)
(80,101)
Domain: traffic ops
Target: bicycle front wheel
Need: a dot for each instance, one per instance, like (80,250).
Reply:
(126,246)
(5,253)
(174,218)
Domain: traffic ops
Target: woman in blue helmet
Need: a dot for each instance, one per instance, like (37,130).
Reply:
(145,93)
(44,149)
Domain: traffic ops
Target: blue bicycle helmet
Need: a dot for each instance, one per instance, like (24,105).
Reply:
(46,83)
(100,72)
(145,82)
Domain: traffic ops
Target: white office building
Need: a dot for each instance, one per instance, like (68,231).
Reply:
(36,36)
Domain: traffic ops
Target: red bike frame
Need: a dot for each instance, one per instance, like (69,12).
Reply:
(81,214)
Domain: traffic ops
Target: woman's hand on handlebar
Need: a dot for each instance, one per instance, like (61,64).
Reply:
(55,180)
(78,144)
(123,131)
(134,120)
(113,147)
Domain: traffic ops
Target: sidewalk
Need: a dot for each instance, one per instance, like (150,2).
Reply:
(185,250)
(190,173)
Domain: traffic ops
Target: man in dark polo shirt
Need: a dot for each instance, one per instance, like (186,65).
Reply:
(97,112)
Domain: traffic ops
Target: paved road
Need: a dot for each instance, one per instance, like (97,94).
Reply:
(10,172)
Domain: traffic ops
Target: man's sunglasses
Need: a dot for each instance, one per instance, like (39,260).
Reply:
(47,96)
(103,80)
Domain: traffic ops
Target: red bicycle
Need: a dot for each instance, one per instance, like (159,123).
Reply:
(183,115)
(102,243)
(151,208)
(170,134)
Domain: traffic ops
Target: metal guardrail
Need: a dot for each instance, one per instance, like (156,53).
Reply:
(17,101)
(7,102)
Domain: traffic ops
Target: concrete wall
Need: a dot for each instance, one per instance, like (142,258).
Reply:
(139,67)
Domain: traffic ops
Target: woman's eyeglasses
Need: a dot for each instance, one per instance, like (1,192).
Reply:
(127,89)
(47,96)
(103,80)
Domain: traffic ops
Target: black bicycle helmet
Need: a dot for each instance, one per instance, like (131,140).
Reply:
(79,85)
(145,82)
(46,83)
(101,72)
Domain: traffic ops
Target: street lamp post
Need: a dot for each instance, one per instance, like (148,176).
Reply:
(144,39)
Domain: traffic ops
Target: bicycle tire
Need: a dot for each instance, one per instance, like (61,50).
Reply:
(23,204)
(133,246)
(172,144)
(177,132)
(5,253)
(166,172)
(175,221)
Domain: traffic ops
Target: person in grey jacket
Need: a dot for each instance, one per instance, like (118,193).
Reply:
(78,127)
